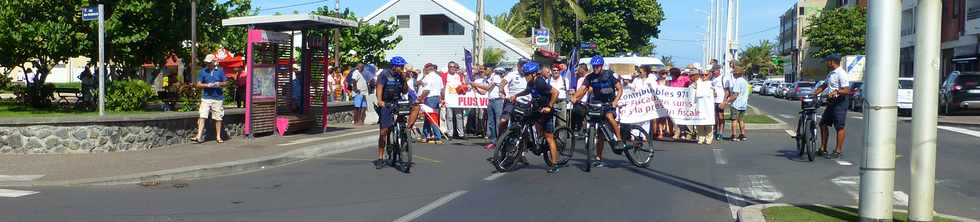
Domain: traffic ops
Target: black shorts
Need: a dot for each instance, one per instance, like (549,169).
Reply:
(547,122)
(386,115)
(835,114)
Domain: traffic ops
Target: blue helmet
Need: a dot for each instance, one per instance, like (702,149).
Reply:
(398,61)
(530,68)
(597,60)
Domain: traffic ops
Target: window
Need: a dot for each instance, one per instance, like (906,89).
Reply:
(802,11)
(404,22)
(440,25)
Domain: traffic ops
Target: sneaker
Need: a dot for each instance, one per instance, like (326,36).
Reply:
(836,155)
(378,164)
(489,146)
(553,169)
(598,164)
(743,138)
(822,153)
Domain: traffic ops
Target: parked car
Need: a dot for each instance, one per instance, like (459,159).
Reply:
(960,91)
(799,89)
(904,100)
(784,89)
(767,88)
(757,87)
(857,96)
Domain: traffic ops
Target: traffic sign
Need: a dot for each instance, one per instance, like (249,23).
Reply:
(542,37)
(90,13)
(587,45)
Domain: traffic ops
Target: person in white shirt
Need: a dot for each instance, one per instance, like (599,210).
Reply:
(718,87)
(561,84)
(703,94)
(837,101)
(360,92)
(454,116)
(739,101)
(431,95)
(491,84)
(513,83)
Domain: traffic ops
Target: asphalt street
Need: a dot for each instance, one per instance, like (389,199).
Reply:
(453,182)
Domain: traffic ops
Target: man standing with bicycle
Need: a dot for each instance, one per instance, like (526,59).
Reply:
(543,101)
(602,87)
(837,101)
(390,88)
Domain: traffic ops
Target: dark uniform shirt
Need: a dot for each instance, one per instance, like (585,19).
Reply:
(603,86)
(393,86)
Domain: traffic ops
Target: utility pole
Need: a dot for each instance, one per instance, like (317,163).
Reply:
(924,111)
(336,41)
(878,166)
(718,51)
(478,44)
(193,62)
(709,35)
(102,71)
(729,32)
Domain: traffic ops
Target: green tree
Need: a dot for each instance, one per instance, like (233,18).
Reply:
(757,58)
(667,60)
(493,56)
(840,31)
(43,33)
(370,41)
(615,26)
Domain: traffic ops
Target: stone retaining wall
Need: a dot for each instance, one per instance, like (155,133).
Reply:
(111,134)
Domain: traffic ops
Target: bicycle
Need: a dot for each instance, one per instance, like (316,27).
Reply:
(522,136)
(638,142)
(398,151)
(806,127)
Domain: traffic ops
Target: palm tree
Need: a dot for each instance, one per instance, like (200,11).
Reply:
(548,17)
(493,56)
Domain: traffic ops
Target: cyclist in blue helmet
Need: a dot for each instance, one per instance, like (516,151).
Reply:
(602,88)
(391,87)
(543,102)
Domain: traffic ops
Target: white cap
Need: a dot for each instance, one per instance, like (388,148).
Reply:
(210,58)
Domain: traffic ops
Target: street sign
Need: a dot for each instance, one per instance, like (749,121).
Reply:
(90,13)
(587,45)
(542,37)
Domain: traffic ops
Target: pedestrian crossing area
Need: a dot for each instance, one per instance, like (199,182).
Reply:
(751,189)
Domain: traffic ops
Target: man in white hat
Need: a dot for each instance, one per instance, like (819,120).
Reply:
(210,80)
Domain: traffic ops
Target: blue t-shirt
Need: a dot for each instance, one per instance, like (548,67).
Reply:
(212,76)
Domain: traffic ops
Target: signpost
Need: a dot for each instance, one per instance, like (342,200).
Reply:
(97,13)
(542,37)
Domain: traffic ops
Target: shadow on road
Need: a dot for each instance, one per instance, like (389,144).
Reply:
(697,187)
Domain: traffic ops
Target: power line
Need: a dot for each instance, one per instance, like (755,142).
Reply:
(294,5)
(761,31)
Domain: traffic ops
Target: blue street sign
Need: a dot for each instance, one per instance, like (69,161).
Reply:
(90,13)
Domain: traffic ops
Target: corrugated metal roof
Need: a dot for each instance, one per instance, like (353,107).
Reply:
(289,22)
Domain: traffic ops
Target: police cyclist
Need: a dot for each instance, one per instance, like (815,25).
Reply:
(603,88)
(392,84)
(543,101)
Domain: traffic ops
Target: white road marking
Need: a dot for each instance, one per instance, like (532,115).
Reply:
(960,130)
(758,187)
(852,185)
(494,176)
(16,193)
(791,133)
(900,198)
(314,139)
(6,178)
(731,195)
(844,163)
(786,116)
(849,184)
(719,157)
(431,206)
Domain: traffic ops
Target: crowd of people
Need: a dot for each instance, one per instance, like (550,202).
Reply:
(533,82)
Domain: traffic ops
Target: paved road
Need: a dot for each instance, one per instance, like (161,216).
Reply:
(453,182)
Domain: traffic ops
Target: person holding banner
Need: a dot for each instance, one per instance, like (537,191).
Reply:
(453,79)
(703,94)
(666,126)
(602,87)
(491,84)
(543,101)
(431,95)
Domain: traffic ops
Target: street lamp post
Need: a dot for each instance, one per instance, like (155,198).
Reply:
(878,166)
(924,110)
(193,40)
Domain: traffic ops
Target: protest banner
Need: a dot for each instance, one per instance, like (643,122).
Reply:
(469,100)
(642,104)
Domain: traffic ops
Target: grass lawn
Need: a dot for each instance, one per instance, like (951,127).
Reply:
(822,214)
(759,119)
(73,85)
(17,111)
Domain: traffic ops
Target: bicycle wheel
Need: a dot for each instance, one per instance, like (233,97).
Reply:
(405,154)
(639,150)
(390,149)
(811,139)
(589,145)
(563,141)
(507,152)
(800,146)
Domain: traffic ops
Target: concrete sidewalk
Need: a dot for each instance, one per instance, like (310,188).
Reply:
(959,120)
(189,161)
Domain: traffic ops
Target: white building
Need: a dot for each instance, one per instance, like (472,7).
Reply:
(437,31)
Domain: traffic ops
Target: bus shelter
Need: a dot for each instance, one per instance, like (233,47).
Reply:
(279,98)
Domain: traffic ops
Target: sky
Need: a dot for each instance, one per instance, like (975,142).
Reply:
(680,34)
